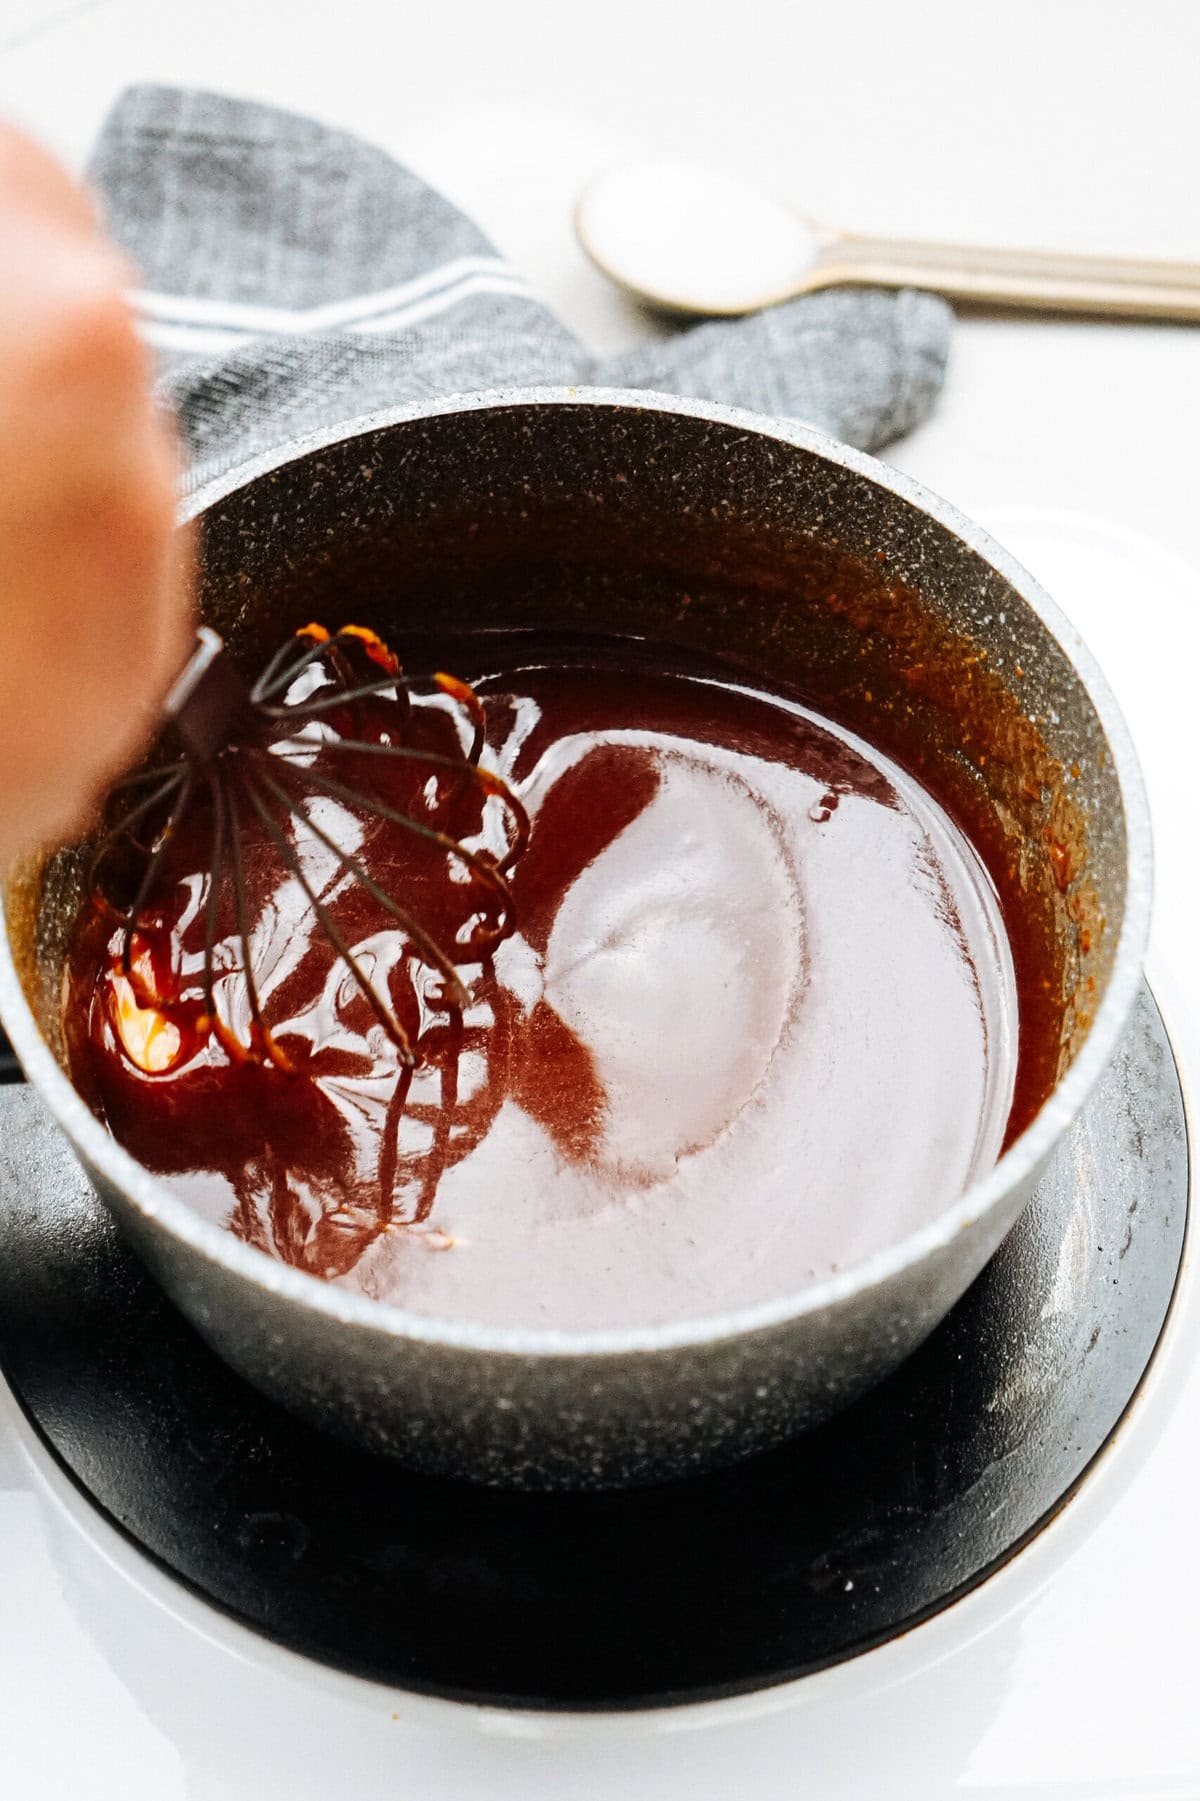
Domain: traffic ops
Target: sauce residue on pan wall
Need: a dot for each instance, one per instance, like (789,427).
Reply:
(759,1019)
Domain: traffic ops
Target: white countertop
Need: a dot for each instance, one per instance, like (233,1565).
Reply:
(1073,1673)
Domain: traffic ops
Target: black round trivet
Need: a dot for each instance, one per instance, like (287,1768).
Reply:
(723,1583)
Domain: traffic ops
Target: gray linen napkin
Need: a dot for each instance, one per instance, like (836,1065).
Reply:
(295,277)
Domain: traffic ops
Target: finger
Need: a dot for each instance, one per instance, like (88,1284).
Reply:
(33,181)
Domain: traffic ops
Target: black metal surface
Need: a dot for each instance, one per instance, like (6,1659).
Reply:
(727,1582)
(10,1069)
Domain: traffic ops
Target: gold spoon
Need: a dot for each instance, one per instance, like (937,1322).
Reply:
(689,240)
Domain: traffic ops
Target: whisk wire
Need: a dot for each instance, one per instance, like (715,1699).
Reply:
(264,690)
(146,885)
(123,829)
(349,863)
(139,777)
(274,665)
(215,869)
(483,866)
(491,786)
(260,1033)
(403,753)
(383,1013)
(327,700)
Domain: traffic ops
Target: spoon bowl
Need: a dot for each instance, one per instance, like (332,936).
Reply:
(691,241)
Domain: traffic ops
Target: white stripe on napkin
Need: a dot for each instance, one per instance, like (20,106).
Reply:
(201,339)
(440,303)
(234,315)
(190,338)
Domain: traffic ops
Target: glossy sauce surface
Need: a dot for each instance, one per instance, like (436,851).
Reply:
(758,1019)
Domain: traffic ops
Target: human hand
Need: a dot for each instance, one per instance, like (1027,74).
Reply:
(94,595)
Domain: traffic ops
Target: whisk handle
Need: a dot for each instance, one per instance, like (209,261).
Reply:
(207,698)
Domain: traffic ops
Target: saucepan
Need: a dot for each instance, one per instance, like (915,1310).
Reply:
(803,562)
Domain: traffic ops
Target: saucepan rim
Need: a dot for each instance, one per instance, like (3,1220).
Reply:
(157,1204)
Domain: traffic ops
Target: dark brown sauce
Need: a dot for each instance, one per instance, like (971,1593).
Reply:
(758,1020)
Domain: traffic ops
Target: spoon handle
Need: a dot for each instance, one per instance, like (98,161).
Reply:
(1042,280)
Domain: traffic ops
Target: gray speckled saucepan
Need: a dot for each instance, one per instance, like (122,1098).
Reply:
(716,532)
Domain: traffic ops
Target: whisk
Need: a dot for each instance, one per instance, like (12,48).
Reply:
(250,748)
